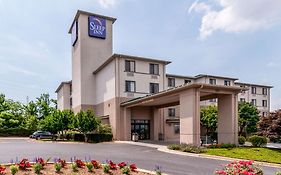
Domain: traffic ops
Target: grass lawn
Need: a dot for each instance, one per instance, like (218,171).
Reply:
(258,154)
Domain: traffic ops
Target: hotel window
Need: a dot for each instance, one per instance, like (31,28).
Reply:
(243,91)
(254,90)
(177,128)
(226,82)
(154,88)
(130,86)
(212,81)
(70,87)
(171,82)
(70,101)
(130,66)
(154,69)
(264,114)
(214,100)
(254,102)
(264,103)
(264,91)
(187,81)
(172,112)
(242,100)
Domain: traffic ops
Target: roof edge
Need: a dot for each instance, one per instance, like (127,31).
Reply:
(61,84)
(251,84)
(79,12)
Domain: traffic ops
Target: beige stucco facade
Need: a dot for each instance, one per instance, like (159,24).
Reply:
(104,82)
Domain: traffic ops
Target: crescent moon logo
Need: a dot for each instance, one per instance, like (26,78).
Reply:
(98,20)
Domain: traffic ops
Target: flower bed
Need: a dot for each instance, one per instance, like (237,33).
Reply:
(77,167)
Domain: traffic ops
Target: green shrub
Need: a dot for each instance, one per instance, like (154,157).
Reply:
(14,169)
(174,147)
(37,168)
(93,138)
(106,168)
(228,145)
(125,170)
(278,173)
(89,166)
(74,167)
(20,132)
(58,167)
(187,148)
(241,140)
(258,141)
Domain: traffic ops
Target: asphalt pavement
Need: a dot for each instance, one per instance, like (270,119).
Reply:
(12,149)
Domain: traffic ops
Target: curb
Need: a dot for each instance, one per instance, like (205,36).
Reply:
(274,165)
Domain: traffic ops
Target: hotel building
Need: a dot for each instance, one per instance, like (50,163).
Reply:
(134,94)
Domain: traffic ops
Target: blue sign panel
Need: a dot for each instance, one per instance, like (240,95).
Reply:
(74,33)
(97,27)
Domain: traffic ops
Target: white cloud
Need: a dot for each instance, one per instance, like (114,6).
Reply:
(107,3)
(235,16)
(272,64)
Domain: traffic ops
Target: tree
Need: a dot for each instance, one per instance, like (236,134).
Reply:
(45,105)
(31,123)
(209,118)
(248,117)
(270,126)
(86,121)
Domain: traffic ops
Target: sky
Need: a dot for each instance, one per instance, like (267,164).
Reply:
(235,38)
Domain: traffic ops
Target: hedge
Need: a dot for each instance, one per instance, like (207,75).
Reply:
(19,132)
(93,138)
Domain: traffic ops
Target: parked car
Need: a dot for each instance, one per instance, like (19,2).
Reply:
(43,135)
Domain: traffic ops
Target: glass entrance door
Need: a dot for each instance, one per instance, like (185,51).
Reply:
(142,128)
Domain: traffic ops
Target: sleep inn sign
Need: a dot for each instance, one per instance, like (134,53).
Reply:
(97,27)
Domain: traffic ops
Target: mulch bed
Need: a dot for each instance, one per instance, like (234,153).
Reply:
(50,170)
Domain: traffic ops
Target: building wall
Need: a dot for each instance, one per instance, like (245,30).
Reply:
(63,97)
(141,77)
(87,57)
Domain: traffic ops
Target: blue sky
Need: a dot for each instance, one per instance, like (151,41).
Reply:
(234,38)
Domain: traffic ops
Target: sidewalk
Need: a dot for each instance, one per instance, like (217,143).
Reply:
(163,148)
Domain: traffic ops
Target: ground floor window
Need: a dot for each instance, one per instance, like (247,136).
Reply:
(177,128)
(142,128)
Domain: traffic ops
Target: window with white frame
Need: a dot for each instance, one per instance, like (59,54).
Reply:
(212,81)
(264,91)
(130,66)
(172,112)
(177,128)
(254,90)
(130,86)
(154,69)
(187,81)
(154,88)
(171,82)
(254,102)
(227,82)
(242,100)
(264,103)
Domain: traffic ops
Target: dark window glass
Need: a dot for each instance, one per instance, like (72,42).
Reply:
(226,82)
(177,128)
(264,103)
(172,112)
(130,66)
(187,81)
(154,69)
(154,88)
(213,81)
(264,91)
(130,86)
(171,82)
(254,90)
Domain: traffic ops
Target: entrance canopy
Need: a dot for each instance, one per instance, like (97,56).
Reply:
(171,97)
(188,97)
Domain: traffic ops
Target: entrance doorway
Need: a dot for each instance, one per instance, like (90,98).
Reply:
(142,128)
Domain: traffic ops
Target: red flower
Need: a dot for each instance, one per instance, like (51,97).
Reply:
(62,162)
(41,161)
(95,164)
(122,164)
(133,167)
(80,163)
(112,165)
(2,170)
(24,164)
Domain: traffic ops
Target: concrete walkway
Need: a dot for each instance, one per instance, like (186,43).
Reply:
(163,148)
